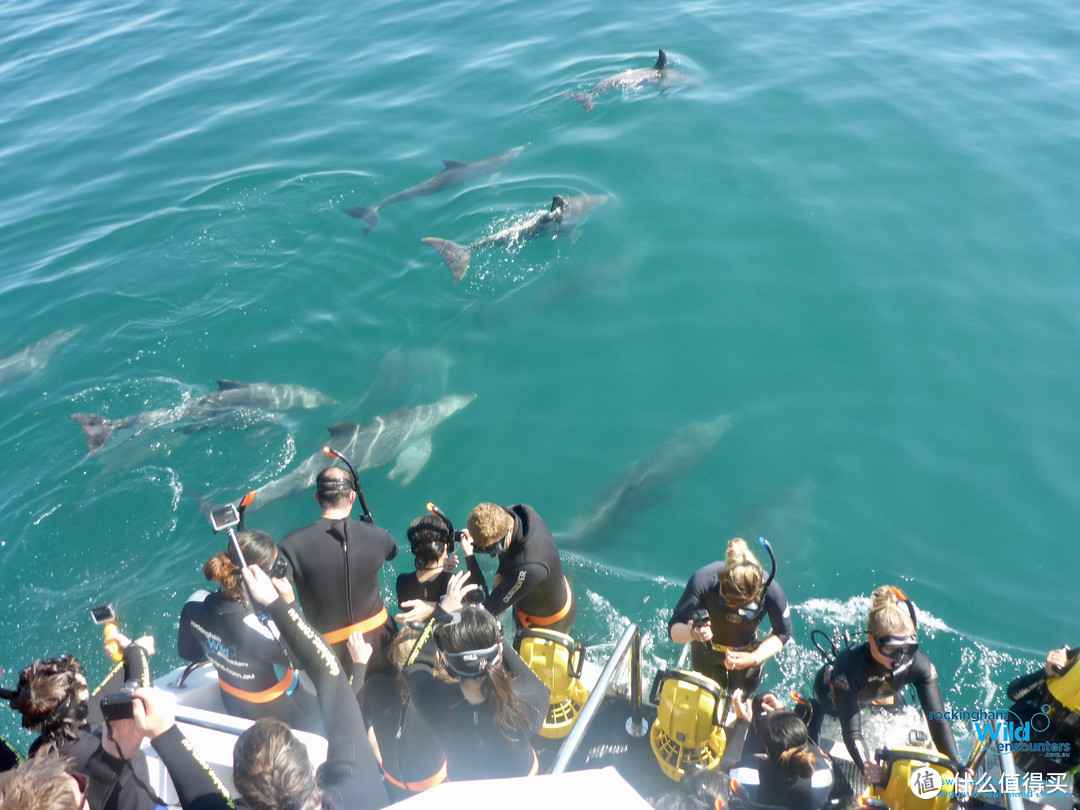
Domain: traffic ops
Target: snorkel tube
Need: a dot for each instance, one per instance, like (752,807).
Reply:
(244,504)
(366,517)
(756,614)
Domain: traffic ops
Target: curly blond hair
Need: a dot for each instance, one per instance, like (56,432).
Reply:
(887,616)
(487,524)
(740,581)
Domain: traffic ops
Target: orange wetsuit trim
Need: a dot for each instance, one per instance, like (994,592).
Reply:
(266,695)
(423,784)
(543,621)
(336,636)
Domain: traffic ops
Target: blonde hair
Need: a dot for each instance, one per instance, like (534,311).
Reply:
(887,616)
(41,781)
(740,581)
(487,524)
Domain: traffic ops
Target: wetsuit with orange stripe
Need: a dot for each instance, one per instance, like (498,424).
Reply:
(349,776)
(329,591)
(412,756)
(532,578)
(255,675)
(475,747)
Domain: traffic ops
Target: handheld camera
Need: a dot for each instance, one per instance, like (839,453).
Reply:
(699,619)
(106,615)
(226,518)
(120,705)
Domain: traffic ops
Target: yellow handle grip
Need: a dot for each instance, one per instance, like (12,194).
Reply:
(112,644)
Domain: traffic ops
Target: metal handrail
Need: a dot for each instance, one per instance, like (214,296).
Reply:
(1008,767)
(629,640)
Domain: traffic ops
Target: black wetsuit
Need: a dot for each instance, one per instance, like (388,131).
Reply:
(409,586)
(330,599)
(475,747)
(729,628)
(350,777)
(113,783)
(247,658)
(1030,695)
(532,576)
(762,783)
(855,679)
(9,755)
(197,785)
(411,754)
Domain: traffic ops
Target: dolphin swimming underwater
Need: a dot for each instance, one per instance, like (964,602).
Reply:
(455,174)
(404,433)
(230,398)
(643,483)
(658,74)
(32,357)
(409,376)
(564,212)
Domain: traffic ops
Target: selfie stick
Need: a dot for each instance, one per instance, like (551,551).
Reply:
(234,520)
(367,518)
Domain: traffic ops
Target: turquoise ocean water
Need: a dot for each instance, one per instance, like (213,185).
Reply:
(855,235)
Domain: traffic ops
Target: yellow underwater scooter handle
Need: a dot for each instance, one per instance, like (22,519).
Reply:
(112,643)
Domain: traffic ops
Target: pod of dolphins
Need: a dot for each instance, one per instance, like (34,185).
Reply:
(405,434)
(564,212)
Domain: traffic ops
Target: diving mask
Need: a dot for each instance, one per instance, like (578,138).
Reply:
(471,663)
(899,649)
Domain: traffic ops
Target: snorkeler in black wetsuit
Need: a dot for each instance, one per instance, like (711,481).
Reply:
(255,675)
(530,575)
(879,669)
(410,754)
(485,721)
(737,599)
(782,766)
(1052,691)
(76,728)
(335,564)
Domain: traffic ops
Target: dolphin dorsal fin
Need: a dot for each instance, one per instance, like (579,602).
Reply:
(343,428)
(558,202)
(453,164)
(661,62)
(228,385)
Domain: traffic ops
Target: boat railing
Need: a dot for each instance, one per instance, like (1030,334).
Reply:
(629,642)
(1008,768)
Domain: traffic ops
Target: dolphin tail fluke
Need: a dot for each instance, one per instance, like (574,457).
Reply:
(455,255)
(97,429)
(366,214)
(584,99)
